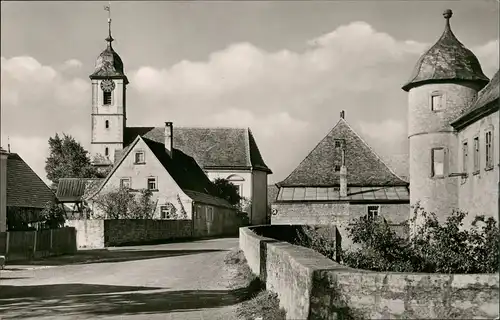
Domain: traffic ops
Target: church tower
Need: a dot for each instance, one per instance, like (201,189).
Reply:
(108,104)
(446,79)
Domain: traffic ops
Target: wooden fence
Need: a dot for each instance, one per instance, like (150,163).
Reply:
(21,245)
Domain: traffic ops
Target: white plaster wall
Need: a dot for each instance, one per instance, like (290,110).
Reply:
(478,193)
(168,190)
(3,192)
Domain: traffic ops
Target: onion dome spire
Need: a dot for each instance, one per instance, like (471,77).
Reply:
(109,64)
(447,60)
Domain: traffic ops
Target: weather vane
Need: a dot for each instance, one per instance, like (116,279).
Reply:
(108,9)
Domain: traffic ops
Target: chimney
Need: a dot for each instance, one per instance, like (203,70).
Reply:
(169,138)
(342,114)
(343,174)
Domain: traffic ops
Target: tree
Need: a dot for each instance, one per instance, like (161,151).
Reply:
(228,191)
(68,159)
(53,215)
(124,203)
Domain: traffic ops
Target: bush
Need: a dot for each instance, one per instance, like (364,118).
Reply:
(432,247)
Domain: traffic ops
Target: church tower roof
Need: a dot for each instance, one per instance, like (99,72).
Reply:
(447,60)
(108,63)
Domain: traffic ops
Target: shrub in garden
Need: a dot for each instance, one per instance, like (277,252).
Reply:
(433,247)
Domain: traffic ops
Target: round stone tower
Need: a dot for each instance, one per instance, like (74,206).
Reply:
(446,79)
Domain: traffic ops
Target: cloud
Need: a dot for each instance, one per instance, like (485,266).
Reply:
(289,99)
(38,101)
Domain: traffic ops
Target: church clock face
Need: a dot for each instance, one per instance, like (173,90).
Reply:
(107,85)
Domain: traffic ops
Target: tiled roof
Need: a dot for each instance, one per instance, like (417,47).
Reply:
(447,59)
(73,189)
(487,98)
(272,193)
(24,186)
(184,170)
(374,194)
(212,148)
(364,167)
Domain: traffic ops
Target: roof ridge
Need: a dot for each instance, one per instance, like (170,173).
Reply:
(216,127)
(373,151)
(309,153)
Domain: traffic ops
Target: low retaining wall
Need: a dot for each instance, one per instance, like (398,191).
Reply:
(21,245)
(310,286)
(127,232)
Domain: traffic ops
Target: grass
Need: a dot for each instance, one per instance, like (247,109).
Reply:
(263,304)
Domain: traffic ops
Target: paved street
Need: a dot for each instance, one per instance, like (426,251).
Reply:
(182,281)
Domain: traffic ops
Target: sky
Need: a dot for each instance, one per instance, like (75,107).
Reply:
(283,69)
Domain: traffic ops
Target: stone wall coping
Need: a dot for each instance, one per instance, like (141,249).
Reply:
(315,260)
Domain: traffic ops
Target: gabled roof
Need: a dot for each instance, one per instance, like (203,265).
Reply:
(364,167)
(487,101)
(73,189)
(212,148)
(182,168)
(24,187)
(447,60)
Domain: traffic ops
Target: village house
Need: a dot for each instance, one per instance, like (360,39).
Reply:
(453,131)
(23,194)
(229,153)
(342,178)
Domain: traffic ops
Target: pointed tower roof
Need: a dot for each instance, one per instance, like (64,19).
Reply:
(364,166)
(108,63)
(448,59)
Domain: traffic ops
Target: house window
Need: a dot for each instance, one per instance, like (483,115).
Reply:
(239,189)
(139,157)
(125,183)
(152,183)
(465,154)
(166,212)
(106,97)
(489,149)
(106,151)
(373,212)
(336,168)
(476,154)
(437,102)
(106,124)
(438,162)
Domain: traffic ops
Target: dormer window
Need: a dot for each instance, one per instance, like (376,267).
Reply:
(437,101)
(106,98)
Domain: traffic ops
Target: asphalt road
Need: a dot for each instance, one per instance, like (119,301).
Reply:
(180,281)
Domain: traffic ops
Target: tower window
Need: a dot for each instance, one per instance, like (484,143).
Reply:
(106,97)
(476,154)
(465,155)
(106,151)
(489,149)
(106,124)
(438,162)
(437,102)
